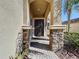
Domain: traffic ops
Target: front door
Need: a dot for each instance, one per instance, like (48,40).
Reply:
(39,27)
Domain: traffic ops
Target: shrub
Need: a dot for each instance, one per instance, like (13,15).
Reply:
(72,38)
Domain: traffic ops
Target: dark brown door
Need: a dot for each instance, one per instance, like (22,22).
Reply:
(39,27)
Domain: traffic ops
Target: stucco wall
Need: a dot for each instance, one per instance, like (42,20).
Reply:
(10,21)
(74,27)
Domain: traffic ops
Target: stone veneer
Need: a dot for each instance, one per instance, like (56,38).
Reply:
(58,40)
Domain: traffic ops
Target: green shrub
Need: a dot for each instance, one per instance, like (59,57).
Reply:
(72,38)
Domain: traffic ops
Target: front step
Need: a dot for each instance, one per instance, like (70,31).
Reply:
(40,37)
(41,41)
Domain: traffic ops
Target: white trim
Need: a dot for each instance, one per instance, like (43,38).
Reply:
(57,26)
(26,27)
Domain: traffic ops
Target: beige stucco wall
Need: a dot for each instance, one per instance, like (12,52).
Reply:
(10,21)
(74,27)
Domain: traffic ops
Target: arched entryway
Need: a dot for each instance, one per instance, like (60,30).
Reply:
(37,15)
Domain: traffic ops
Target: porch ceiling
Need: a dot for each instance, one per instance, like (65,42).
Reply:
(39,8)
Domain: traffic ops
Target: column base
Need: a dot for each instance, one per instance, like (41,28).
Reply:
(26,37)
(57,37)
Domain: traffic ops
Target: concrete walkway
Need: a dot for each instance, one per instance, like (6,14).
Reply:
(36,53)
(39,50)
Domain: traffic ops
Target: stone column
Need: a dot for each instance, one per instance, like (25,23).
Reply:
(56,27)
(26,27)
(51,23)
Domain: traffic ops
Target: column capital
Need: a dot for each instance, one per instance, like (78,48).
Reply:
(26,27)
(57,27)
